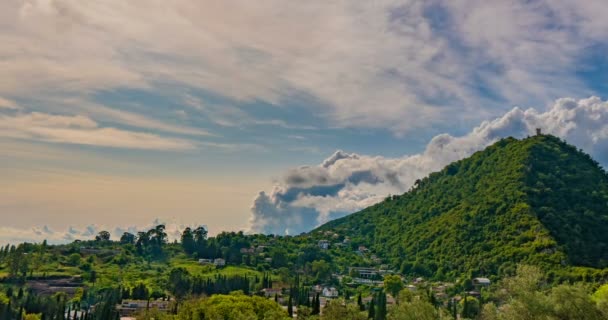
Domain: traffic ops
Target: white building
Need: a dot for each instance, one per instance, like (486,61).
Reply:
(324,244)
(330,292)
(481,282)
(219,262)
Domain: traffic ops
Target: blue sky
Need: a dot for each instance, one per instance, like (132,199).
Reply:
(114,114)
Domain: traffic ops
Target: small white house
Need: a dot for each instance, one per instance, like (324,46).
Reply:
(219,262)
(330,292)
(324,244)
(271,292)
(481,282)
(205,261)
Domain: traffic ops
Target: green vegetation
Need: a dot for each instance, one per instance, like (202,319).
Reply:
(536,201)
(531,215)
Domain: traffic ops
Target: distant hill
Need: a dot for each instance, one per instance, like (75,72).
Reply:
(536,201)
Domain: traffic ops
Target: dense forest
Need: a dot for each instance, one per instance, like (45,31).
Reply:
(536,201)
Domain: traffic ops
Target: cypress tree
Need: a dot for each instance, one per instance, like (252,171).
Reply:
(360,303)
(465,307)
(290,307)
(371,313)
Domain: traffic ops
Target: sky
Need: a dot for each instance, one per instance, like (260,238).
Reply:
(273,116)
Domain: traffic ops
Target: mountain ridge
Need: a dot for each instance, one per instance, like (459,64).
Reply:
(537,200)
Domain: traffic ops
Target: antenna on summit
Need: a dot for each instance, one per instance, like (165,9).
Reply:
(539,132)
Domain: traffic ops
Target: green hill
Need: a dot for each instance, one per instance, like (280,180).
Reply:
(536,201)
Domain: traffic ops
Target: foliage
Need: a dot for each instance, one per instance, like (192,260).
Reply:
(535,201)
(393,284)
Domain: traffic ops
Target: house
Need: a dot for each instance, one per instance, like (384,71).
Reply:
(219,262)
(481,282)
(247,250)
(268,260)
(363,272)
(130,307)
(363,249)
(205,261)
(271,292)
(330,292)
(324,244)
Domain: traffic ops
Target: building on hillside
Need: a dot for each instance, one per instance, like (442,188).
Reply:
(205,261)
(479,283)
(130,307)
(330,292)
(324,244)
(219,262)
(247,250)
(359,272)
(271,292)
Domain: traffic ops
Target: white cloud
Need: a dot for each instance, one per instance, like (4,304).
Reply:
(385,64)
(345,182)
(82,130)
(8,104)
(15,235)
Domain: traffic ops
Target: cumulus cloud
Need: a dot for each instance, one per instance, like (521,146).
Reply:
(346,182)
(82,130)
(390,64)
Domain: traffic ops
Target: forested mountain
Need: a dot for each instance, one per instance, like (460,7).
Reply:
(535,201)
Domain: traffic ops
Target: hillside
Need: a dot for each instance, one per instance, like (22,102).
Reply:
(537,201)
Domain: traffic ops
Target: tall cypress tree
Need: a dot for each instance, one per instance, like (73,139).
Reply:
(371,313)
(465,307)
(290,307)
(360,303)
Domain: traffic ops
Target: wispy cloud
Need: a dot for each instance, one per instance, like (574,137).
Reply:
(398,65)
(82,130)
(8,104)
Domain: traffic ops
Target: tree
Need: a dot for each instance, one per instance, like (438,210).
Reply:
(179,283)
(371,312)
(102,236)
(290,306)
(414,309)
(74,259)
(338,309)
(393,285)
(600,297)
(127,238)
(381,311)
(470,307)
(188,242)
(360,303)
(573,302)
(321,269)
